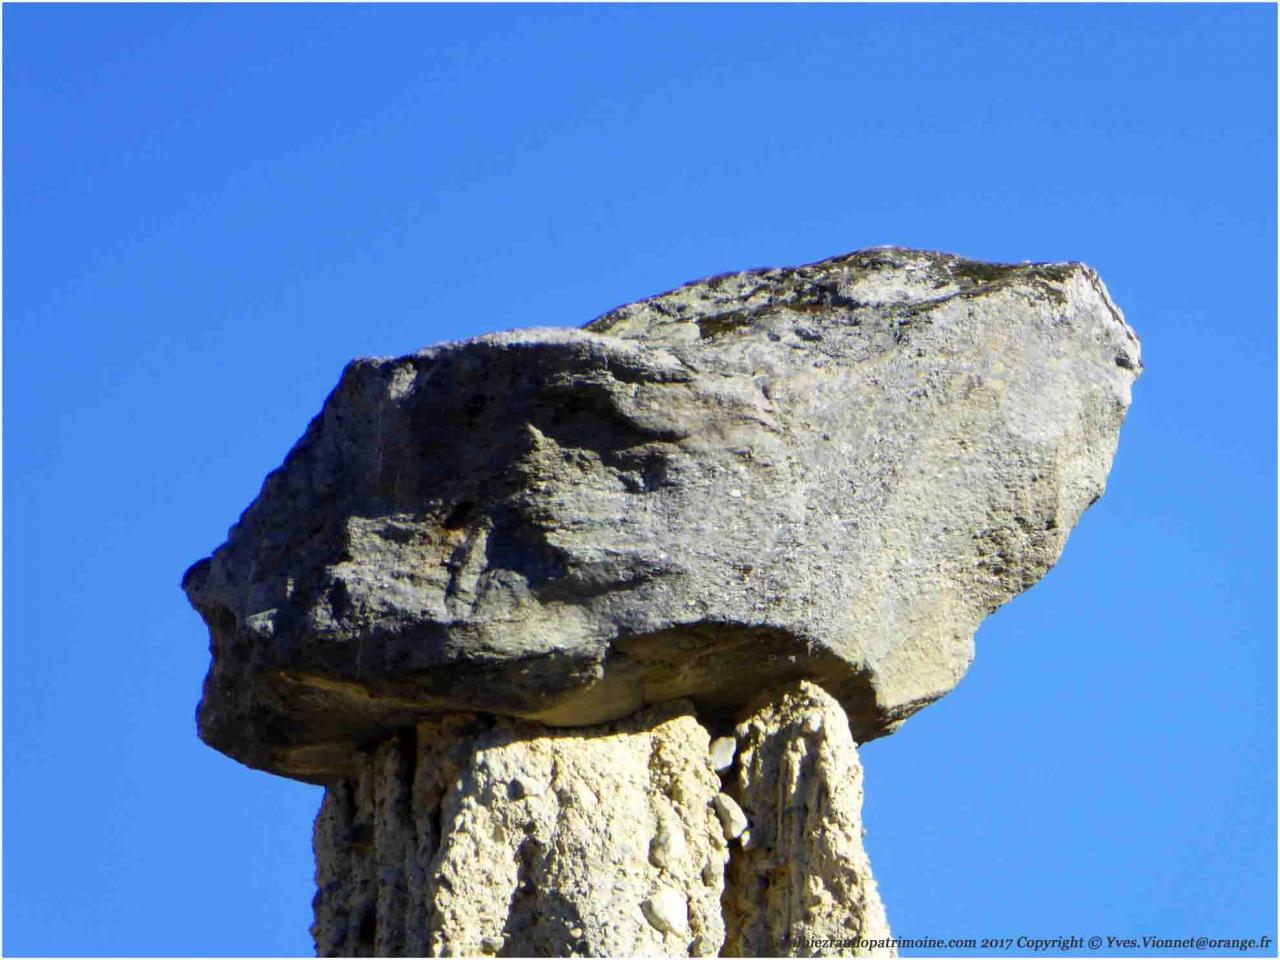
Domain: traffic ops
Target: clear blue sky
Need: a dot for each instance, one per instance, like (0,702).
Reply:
(209,210)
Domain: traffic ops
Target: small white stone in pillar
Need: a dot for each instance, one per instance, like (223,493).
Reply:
(668,911)
(732,819)
(668,847)
(722,752)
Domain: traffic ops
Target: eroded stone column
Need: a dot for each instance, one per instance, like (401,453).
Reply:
(801,879)
(514,839)
(508,838)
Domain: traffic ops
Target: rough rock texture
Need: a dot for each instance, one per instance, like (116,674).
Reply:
(802,879)
(484,836)
(830,472)
(506,837)
(507,598)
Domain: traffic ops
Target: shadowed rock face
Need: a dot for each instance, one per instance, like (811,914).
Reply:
(831,472)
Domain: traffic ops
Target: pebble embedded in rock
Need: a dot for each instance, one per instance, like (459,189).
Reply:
(722,753)
(732,819)
(668,847)
(521,787)
(668,911)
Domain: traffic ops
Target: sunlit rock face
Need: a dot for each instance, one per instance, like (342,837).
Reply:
(831,472)
(476,835)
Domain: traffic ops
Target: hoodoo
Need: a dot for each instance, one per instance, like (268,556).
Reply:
(579,627)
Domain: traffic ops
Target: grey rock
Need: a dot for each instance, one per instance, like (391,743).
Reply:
(831,472)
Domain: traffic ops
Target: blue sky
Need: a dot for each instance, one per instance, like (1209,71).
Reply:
(209,209)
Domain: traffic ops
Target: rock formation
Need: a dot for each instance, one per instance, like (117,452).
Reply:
(474,835)
(579,627)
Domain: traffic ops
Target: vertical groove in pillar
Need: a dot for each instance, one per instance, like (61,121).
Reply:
(393,842)
(333,870)
(363,891)
(799,884)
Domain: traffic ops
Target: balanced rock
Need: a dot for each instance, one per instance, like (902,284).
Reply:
(832,473)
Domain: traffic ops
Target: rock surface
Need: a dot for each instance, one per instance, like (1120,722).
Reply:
(831,472)
(484,836)
(506,837)
(801,880)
